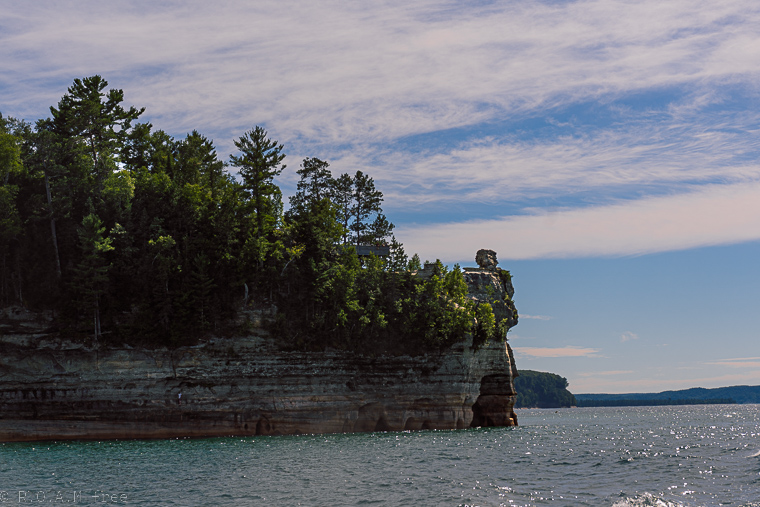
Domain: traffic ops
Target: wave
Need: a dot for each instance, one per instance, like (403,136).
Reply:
(646,500)
(650,500)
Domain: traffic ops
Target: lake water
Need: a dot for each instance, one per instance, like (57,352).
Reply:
(665,456)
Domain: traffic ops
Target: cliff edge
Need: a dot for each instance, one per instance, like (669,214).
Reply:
(54,389)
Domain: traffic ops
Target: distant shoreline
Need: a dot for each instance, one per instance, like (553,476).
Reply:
(653,403)
(693,396)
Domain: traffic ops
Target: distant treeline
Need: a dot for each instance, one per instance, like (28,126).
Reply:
(733,394)
(538,389)
(646,403)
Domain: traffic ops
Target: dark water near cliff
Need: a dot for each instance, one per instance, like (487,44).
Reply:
(679,456)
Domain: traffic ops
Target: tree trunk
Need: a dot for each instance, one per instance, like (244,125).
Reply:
(18,276)
(52,227)
(3,281)
(97,321)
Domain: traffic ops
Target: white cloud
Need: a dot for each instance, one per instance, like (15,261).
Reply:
(569,351)
(627,336)
(665,152)
(333,72)
(711,215)
(344,82)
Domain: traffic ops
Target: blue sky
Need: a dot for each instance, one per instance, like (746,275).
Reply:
(607,150)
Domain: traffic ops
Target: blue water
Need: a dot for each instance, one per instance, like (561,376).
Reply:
(664,456)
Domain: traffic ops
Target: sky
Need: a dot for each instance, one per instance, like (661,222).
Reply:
(607,150)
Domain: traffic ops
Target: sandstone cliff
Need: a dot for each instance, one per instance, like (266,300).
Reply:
(53,389)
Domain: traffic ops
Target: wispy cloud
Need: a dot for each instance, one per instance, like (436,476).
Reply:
(636,152)
(588,384)
(335,73)
(535,317)
(740,362)
(569,351)
(627,336)
(714,214)
(434,100)
(605,373)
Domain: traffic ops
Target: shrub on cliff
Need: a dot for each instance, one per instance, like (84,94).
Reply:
(372,309)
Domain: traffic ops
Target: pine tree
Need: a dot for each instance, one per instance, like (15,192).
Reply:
(90,276)
(259,163)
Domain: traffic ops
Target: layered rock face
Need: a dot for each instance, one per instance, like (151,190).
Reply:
(53,389)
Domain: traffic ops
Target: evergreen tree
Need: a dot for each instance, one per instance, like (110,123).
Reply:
(366,204)
(316,184)
(10,219)
(88,117)
(259,163)
(414,263)
(90,277)
(143,148)
(342,196)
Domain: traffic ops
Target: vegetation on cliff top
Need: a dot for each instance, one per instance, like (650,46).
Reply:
(130,235)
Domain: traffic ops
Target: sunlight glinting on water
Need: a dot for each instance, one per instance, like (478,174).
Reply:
(623,457)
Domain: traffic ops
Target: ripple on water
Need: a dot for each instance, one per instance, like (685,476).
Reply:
(689,456)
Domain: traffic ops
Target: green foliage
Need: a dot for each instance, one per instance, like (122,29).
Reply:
(10,164)
(133,236)
(505,276)
(358,210)
(537,389)
(397,260)
(89,278)
(10,219)
(485,326)
(92,124)
(259,163)
(10,154)
(414,263)
(437,309)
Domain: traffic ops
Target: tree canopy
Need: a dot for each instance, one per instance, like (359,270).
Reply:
(130,235)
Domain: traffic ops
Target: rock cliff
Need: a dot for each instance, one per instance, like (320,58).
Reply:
(54,389)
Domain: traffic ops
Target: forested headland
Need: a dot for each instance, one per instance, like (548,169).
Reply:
(128,235)
(538,389)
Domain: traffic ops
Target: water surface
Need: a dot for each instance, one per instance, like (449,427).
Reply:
(705,455)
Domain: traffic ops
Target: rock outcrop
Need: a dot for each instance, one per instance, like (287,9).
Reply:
(487,284)
(54,389)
